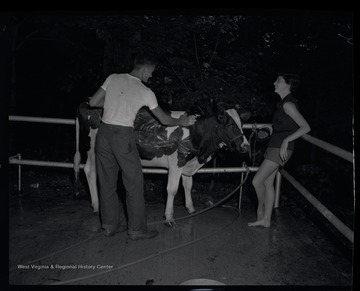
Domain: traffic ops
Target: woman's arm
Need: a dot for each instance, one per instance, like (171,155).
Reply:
(291,110)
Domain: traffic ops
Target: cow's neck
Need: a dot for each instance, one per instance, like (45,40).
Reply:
(206,137)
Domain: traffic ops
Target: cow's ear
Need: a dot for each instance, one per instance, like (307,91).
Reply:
(245,116)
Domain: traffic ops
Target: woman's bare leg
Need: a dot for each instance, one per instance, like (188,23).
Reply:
(263,183)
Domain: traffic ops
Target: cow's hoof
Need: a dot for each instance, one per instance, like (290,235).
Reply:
(191,210)
(170,224)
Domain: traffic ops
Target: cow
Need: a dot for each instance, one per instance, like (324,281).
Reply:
(180,150)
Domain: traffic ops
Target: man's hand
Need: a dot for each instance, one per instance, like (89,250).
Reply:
(187,120)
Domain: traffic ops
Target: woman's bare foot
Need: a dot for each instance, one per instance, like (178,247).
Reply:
(259,223)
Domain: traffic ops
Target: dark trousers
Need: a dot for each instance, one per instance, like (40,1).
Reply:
(116,151)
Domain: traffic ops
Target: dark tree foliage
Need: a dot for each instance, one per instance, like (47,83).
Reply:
(229,59)
(219,58)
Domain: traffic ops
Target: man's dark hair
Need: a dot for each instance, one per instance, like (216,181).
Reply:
(144,59)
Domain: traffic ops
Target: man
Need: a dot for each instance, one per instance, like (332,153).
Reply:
(121,96)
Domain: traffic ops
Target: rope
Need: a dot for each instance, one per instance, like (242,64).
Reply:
(253,132)
(58,252)
(151,223)
(146,258)
(213,205)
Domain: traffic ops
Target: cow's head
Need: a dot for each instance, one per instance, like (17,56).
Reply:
(234,137)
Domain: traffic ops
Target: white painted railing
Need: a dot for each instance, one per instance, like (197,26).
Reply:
(348,156)
(16,160)
(329,147)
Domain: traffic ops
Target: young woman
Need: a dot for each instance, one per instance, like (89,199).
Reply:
(288,125)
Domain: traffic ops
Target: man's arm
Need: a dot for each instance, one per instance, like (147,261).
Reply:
(97,100)
(167,120)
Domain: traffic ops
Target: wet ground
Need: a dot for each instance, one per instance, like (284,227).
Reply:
(51,241)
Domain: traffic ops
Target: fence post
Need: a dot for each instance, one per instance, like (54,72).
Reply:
(241,189)
(277,189)
(19,174)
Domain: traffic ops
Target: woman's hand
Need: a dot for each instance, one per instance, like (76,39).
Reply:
(283,150)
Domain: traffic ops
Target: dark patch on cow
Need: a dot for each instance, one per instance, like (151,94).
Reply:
(214,127)
(89,117)
(152,140)
(210,132)
(205,137)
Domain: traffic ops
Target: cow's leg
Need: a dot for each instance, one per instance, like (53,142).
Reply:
(90,172)
(172,188)
(187,182)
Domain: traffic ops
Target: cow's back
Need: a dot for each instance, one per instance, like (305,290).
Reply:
(156,142)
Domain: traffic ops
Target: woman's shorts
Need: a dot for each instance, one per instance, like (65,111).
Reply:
(273,154)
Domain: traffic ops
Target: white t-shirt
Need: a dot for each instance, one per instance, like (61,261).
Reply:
(124,96)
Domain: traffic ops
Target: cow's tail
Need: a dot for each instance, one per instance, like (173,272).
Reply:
(77,156)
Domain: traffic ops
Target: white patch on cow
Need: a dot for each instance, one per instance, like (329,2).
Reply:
(235,116)
(161,162)
(186,133)
(170,129)
(233,113)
